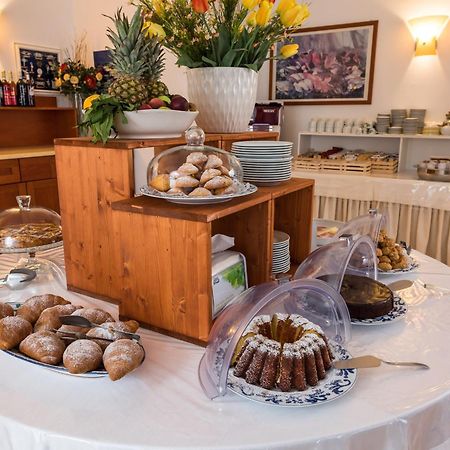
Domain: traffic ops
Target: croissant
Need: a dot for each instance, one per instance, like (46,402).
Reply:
(218,182)
(176,191)
(43,346)
(95,315)
(13,330)
(186,182)
(187,169)
(121,357)
(197,158)
(109,333)
(209,174)
(82,356)
(200,192)
(224,191)
(33,307)
(50,317)
(6,310)
(224,171)
(213,162)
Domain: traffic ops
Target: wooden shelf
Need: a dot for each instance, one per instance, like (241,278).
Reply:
(34,108)
(31,151)
(378,136)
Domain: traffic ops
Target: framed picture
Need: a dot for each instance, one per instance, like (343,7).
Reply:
(38,62)
(334,65)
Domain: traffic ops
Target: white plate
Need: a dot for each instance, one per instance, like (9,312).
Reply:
(398,312)
(244,189)
(413,264)
(335,384)
(263,144)
(280,236)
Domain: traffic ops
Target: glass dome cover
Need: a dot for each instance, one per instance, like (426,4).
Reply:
(312,299)
(25,228)
(195,172)
(349,255)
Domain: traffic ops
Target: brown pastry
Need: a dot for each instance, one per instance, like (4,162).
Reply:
(224,171)
(109,333)
(43,346)
(200,192)
(6,310)
(187,169)
(218,183)
(50,317)
(33,307)
(197,158)
(82,356)
(186,182)
(176,191)
(213,162)
(161,182)
(94,315)
(209,175)
(227,190)
(121,357)
(13,329)
(30,235)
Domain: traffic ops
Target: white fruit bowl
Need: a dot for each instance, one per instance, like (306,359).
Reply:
(154,123)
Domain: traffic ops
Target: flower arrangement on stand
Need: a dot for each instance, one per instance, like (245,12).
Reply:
(224,43)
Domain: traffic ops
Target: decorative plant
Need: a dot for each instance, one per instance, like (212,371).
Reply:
(223,33)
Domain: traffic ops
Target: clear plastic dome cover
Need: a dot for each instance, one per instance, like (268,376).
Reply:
(26,227)
(366,225)
(195,166)
(348,255)
(313,299)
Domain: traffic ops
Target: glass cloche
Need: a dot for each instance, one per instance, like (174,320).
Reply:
(195,173)
(313,300)
(26,229)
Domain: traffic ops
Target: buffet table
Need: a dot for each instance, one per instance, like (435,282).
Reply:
(161,404)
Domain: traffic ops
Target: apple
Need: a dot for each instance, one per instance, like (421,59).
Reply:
(145,106)
(179,103)
(156,103)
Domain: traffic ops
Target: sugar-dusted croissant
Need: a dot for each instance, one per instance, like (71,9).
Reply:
(200,192)
(213,162)
(197,158)
(82,356)
(224,191)
(6,310)
(224,171)
(43,346)
(13,330)
(218,183)
(50,317)
(187,169)
(109,333)
(33,307)
(209,174)
(186,182)
(121,357)
(176,191)
(95,315)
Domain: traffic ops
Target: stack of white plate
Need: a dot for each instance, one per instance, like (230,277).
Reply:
(397,116)
(420,115)
(264,162)
(410,125)
(281,259)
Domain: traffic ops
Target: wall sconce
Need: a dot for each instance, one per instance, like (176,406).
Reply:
(426,31)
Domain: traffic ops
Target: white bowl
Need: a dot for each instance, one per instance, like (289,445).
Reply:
(154,123)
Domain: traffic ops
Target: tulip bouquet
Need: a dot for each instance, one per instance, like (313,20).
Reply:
(223,33)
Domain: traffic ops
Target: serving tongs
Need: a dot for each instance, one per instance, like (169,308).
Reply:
(79,321)
(75,335)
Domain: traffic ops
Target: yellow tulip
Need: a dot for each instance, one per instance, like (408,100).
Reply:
(74,79)
(158,7)
(88,102)
(289,50)
(293,17)
(251,19)
(249,4)
(284,5)
(154,29)
(58,82)
(66,77)
(263,13)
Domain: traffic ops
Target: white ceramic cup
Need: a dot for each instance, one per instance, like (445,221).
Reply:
(320,125)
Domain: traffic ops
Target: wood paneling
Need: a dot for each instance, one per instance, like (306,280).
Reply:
(38,168)
(9,171)
(44,193)
(8,194)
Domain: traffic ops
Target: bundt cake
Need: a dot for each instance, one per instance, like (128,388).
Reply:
(283,351)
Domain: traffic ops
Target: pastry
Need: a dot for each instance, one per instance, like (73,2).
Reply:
(94,315)
(107,331)
(30,235)
(33,307)
(197,158)
(186,182)
(187,169)
(43,346)
(121,357)
(6,310)
(226,191)
(224,171)
(213,162)
(13,330)
(50,317)
(161,182)
(209,175)
(82,356)
(390,255)
(218,183)
(176,191)
(284,351)
(200,192)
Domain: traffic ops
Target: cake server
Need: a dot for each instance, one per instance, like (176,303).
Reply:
(400,284)
(367,361)
(80,321)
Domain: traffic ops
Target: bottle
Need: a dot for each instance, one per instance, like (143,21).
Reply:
(12,90)
(21,93)
(6,90)
(30,86)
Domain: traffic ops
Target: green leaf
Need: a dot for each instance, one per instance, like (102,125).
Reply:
(209,61)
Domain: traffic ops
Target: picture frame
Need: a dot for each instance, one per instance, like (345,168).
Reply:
(37,61)
(334,66)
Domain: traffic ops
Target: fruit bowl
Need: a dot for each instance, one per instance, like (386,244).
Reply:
(154,123)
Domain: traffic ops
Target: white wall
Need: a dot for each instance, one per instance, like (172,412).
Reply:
(400,80)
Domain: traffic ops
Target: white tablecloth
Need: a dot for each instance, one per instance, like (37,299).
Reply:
(161,404)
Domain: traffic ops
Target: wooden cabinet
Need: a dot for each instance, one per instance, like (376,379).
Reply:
(44,193)
(8,194)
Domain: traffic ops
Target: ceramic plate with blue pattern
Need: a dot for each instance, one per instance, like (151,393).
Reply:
(335,384)
(398,312)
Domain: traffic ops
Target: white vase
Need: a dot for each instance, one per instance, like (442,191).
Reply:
(224,96)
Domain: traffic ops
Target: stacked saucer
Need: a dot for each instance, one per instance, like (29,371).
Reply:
(383,122)
(420,115)
(410,125)
(281,260)
(395,130)
(397,117)
(264,162)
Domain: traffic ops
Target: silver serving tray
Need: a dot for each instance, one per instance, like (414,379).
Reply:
(424,175)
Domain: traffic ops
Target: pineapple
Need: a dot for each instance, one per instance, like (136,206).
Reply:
(136,59)
(157,88)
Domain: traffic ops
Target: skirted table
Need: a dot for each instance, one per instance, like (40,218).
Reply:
(161,404)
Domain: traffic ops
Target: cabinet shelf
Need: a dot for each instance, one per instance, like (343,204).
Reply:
(29,151)
(34,108)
